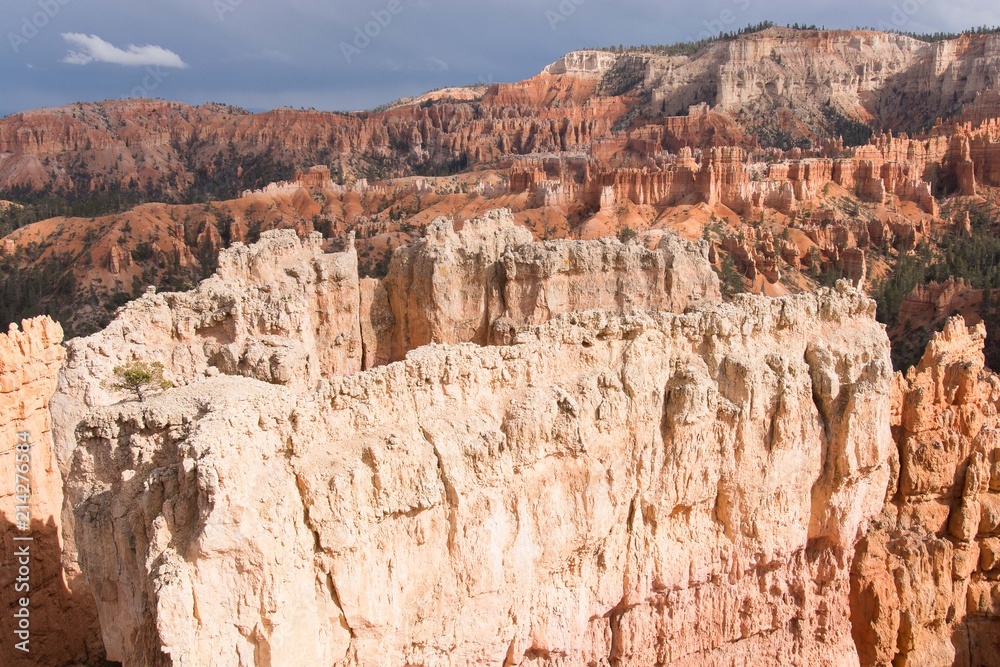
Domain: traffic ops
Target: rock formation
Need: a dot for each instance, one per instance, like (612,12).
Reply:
(583,187)
(448,287)
(633,490)
(887,168)
(487,280)
(581,457)
(283,311)
(926,583)
(444,442)
(62,625)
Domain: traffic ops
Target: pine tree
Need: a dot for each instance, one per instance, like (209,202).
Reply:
(140,378)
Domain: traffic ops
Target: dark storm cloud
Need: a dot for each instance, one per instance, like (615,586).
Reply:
(354,55)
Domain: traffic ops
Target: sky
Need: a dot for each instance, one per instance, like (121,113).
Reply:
(344,56)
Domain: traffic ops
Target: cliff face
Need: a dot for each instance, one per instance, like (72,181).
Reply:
(63,624)
(590,493)
(280,311)
(584,63)
(285,312)
(583,457)
(484,282)
(926,582)
(804,70)
(892,80)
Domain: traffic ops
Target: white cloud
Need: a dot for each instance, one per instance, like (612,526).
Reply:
(91,48)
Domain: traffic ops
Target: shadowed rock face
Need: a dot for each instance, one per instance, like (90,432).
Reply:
(632,490)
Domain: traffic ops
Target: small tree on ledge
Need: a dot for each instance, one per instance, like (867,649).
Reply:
(140,378)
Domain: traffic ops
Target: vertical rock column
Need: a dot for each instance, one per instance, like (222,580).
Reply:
(925,584)
(59,628)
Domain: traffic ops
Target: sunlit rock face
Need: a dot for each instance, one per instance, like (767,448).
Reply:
(608,489)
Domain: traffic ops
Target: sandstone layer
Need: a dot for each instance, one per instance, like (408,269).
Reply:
(673,489)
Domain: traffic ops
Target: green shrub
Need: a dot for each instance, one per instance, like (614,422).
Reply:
(139,378)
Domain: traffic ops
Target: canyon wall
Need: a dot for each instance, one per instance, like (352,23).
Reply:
(746,92)
(891,80)
(889,167)
(591,494)
(171,146)
(819,67)
(62,625)
(285,312)
(582,457)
